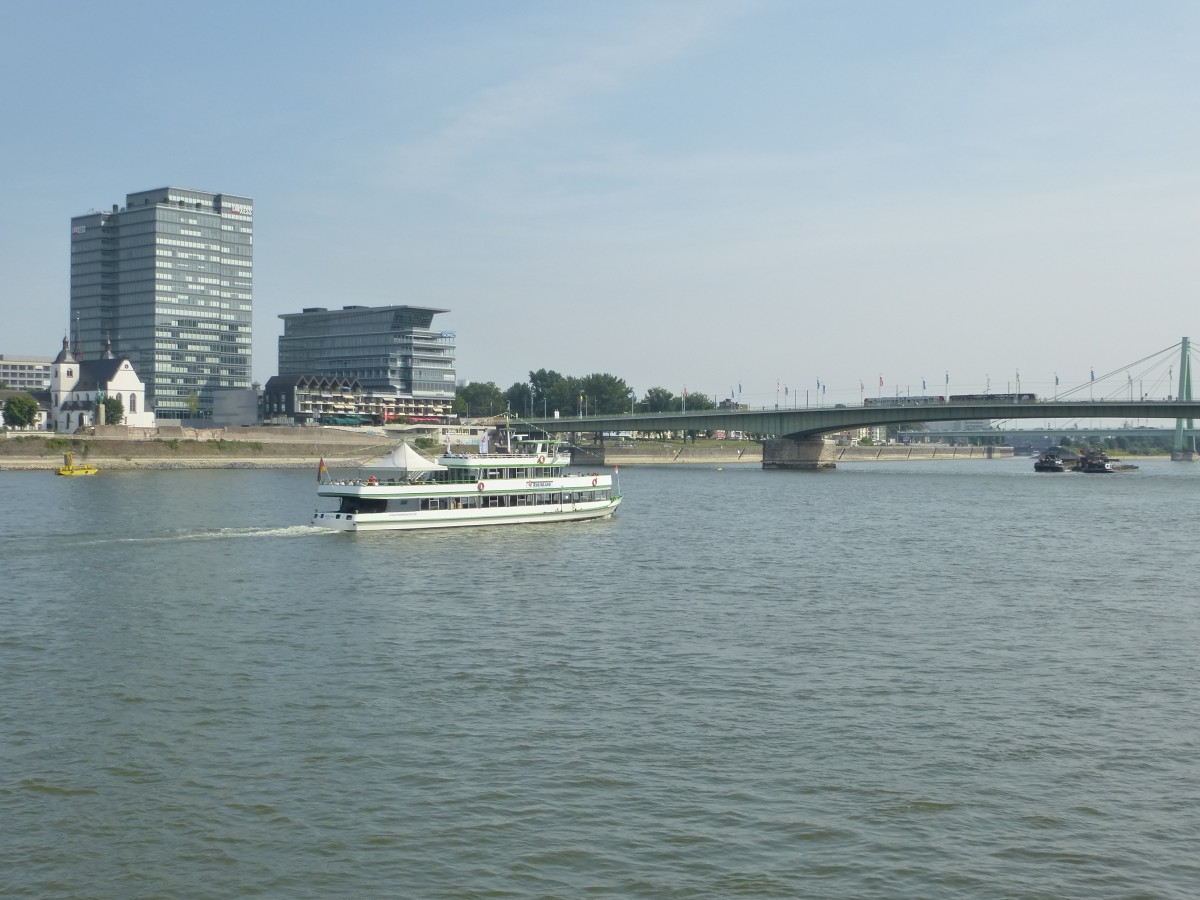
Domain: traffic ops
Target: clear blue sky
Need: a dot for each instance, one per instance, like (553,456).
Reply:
(681,194)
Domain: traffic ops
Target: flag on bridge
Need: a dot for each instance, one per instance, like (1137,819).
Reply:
(881,381)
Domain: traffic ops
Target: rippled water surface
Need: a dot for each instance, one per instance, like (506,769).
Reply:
(918,679)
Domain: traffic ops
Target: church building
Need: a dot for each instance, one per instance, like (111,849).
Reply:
(77,387)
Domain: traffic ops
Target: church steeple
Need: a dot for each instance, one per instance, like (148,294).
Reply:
(64,355)
(108,354)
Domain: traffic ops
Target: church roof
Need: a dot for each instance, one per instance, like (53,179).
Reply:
(95,374)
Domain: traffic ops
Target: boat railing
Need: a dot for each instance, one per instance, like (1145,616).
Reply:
(550,455)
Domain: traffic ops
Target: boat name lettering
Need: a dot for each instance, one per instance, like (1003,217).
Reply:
(537,484)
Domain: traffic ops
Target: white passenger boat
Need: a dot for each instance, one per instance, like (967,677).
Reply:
(528,482)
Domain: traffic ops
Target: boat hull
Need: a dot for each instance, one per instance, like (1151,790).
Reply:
(416,521)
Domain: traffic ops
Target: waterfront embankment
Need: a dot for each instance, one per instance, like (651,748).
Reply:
(116,448)
(722,453)
(174,447)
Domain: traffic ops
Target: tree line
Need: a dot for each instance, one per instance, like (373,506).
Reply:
(599,394)
(21,411)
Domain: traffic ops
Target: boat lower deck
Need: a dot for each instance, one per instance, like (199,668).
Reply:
(413,519)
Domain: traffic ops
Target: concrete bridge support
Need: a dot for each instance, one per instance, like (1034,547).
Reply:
(806,453)
(1184,449)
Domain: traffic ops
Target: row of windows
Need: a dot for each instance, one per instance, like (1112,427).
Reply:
(496,501)
(212,353)
(227,249)
(211,333)
(168,389)
(187,370)
(240,263)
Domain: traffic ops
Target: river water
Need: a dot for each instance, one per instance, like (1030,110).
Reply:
(923,679)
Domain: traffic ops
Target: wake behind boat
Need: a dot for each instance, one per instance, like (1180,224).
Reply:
(405,490)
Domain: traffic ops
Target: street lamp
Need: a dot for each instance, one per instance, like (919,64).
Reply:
(632,398)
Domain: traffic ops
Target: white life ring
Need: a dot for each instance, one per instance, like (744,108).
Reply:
(595,481)
(541,459)
(479,485)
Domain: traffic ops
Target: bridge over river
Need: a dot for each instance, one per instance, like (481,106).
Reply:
(797,442)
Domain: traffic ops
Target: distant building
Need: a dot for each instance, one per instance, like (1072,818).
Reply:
(168,278)
(402,365)
(233,408)
(78,388)
(309,399)
(25,373)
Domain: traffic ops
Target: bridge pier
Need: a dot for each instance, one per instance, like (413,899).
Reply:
(805,453)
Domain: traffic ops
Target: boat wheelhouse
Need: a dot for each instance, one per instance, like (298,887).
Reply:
(528,482)
(69,466)
(1050,461)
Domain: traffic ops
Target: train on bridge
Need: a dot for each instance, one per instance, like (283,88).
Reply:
(939,400)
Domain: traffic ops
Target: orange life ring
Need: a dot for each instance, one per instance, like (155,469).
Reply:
(541,459)
(479,485)
(595,481)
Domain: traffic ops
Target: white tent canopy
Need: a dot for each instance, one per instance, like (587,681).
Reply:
(403,458)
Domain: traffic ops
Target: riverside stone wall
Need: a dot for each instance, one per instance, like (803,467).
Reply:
(193,448)
(815,455)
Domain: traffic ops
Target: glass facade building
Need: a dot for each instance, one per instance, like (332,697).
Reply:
(389,350)
(169,279)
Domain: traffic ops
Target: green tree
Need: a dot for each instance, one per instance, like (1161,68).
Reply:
(697,401)
(193,402)
(20,411)
(519,398)
(114,411)
(606,394)
(479,398)
(553,391)
(659,399)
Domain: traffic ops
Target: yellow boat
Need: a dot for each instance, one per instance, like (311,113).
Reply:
(69,468)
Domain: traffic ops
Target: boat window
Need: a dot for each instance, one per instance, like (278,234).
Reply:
(354,505)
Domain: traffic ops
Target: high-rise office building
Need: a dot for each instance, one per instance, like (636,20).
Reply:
(168,278)
(389,350)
